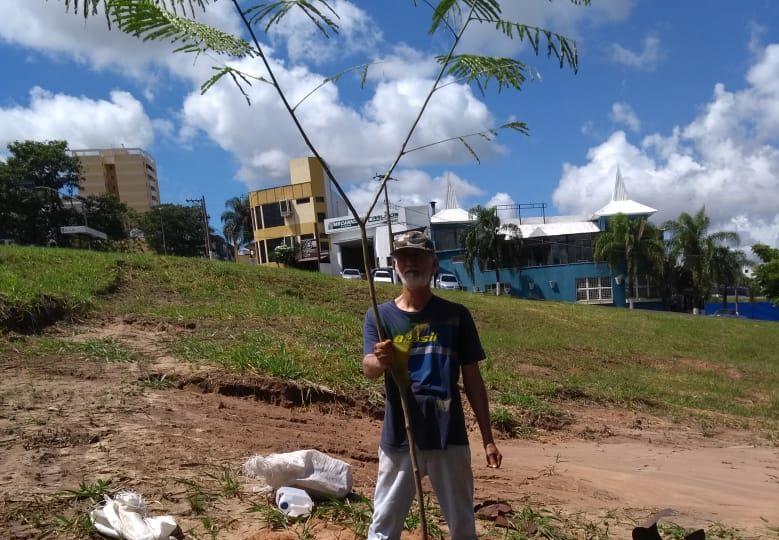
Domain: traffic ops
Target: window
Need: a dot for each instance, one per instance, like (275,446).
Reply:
(258,217)
(593,290)
(320,217)
(645,287)
(449,238)
(303,201)
(271,215)
(319,199)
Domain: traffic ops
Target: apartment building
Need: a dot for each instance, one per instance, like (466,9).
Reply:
(128,173)
(294,214)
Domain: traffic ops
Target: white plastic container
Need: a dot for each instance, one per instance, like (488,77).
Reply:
(294,502)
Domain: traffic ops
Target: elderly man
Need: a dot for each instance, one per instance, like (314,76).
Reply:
(442,342)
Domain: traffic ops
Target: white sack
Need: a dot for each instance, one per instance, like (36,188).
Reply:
(319,474)
(124,517)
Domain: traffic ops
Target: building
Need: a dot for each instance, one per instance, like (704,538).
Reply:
(294,214)
(128,173)
(347,245)
(559,263)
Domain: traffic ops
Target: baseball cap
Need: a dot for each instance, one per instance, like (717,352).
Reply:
(413,240)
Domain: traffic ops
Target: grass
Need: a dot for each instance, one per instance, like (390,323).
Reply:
(307,326)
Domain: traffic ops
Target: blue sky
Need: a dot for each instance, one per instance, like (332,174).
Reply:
(682,96)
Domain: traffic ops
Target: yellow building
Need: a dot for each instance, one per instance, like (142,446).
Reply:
(128,173)
(293,214)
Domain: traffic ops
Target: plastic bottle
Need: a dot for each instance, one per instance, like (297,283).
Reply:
(294,502)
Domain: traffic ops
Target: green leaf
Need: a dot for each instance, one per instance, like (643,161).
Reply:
(482,69)
(276,11)
(557,45)
(146,20)
(517,126)
(471,150)
(479,10)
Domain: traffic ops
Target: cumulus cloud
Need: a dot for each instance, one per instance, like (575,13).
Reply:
(726,159)
(412,187)
(646,59)
(82,121)
(622,113)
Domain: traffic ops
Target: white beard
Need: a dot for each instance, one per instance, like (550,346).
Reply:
(414,282)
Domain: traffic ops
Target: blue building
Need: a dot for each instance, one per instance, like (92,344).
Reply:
(559,250)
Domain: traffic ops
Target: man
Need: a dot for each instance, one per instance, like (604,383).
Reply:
(441,341)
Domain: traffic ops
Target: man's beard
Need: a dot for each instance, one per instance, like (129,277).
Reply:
(413,281)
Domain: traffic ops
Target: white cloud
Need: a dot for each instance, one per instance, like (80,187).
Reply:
(647,59)
(726,159)
(622,113)
(303,41)
(413,188)
(83,122)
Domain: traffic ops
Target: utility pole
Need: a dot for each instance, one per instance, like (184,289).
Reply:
(204,215)
(380,177)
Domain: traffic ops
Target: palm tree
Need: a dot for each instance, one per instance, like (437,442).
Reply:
(726,265)
(630,243)
(237,222)
(492,245)
(694,249)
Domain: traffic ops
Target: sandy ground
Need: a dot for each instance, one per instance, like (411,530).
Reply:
(67,422)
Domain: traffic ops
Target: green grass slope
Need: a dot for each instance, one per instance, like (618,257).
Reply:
(303,325)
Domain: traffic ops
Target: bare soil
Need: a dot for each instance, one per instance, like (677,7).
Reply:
(66,422)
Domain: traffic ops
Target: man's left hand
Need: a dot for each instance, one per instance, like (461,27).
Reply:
(494,457)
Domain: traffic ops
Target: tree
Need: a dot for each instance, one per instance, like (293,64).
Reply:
(767,274)
(490,244)
(172,229)
(632,243)
(693,250)
(237,222)
(726,265)
(450,20)
(107,214)
(31,179)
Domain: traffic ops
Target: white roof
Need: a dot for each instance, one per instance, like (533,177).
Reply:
(533,230)
(628,207)
(621,204)
(451,215)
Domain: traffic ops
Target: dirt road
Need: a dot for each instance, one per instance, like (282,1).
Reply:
(66,421)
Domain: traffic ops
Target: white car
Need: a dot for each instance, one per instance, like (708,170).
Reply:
(383,276)
(351,273)
(448,282)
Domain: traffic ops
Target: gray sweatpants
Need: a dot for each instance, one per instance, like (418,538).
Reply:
(452,479)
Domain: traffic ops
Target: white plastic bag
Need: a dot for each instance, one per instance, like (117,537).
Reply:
(124,517)
(319,474)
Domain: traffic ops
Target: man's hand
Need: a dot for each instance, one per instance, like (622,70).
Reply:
(380,360)
(493,455)
(384,353)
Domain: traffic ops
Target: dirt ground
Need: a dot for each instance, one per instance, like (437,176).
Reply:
(64,423)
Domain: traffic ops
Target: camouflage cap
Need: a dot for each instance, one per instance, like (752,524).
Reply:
(413,240)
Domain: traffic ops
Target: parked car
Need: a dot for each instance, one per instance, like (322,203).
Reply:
(382,275)
(448,281)
(351,273)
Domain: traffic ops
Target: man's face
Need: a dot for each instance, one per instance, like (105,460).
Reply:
(415,267)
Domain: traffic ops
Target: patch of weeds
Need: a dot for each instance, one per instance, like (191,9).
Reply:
(505,422)
(718,530)
(413,519)
(79,525)
(304,530)
(198,498)
(354,512)
(106,350)
(156,381)
(274,518)
(227,481)
(529,523)
(93,492)
(674,531)
(211,527)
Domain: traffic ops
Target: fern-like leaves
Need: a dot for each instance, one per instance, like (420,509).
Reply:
(147,20)
(89,7)
(507,72)
(274,12)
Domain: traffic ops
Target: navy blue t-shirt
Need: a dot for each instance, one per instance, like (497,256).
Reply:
(444,339)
